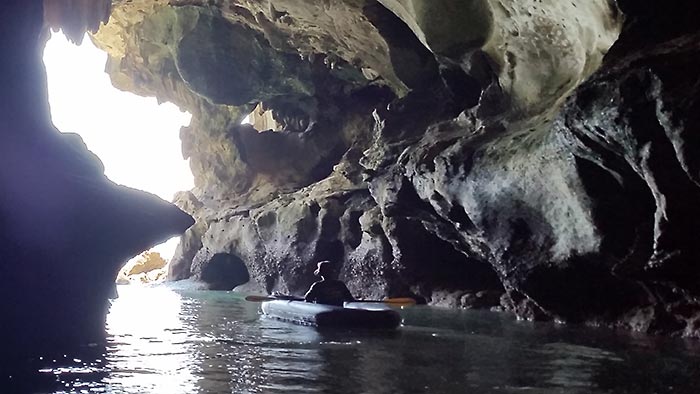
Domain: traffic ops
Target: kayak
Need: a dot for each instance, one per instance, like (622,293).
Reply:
(350,315)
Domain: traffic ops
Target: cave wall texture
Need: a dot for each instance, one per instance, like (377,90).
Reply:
(531,156)
(65,229)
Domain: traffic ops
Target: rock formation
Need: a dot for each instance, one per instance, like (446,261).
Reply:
(65,229)
(148,267)
(531,155)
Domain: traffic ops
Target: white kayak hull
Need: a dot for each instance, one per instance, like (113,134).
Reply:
(351,315)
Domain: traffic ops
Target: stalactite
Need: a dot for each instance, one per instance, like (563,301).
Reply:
(76,17)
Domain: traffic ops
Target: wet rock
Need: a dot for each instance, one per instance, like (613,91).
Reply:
(481,300)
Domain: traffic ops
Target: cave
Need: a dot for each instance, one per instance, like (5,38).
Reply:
(224,272)
(537,153)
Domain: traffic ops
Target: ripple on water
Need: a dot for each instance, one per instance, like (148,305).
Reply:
(163,341)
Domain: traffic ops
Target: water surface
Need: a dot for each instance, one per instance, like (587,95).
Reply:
(165,341)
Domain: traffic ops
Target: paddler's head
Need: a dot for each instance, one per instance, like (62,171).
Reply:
(323,269)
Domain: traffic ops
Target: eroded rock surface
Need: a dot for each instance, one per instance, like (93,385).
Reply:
(483,153)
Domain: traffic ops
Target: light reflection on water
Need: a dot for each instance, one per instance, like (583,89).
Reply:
(149,344)
(161,341)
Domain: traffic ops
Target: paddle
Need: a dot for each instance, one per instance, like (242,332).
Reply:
(399,301)
(257,298)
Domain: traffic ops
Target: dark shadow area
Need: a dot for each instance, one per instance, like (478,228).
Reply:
(430,259)
(224,272)
(65,229)
(66,369)
(582,290)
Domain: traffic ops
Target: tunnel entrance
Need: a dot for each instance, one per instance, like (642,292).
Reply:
(136,138)
(224,272)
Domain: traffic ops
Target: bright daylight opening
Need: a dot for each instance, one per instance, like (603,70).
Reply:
(262,119)
(136,138)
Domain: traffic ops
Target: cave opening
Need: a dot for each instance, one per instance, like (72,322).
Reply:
(225,271)
(262,119)
(136,138)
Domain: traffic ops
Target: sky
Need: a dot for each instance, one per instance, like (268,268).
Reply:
(136,138)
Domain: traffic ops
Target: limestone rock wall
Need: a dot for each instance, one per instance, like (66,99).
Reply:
(532,156)
(539,50)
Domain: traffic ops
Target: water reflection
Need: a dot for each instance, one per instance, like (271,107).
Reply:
(161,341)
(150,345)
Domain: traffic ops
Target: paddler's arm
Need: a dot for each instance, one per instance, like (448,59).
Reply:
(311,295)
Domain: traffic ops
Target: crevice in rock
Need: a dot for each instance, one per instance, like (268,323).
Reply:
(354,229)
(458,215)
(415,65)
(622,213)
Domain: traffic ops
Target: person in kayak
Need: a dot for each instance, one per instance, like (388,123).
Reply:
(328,291)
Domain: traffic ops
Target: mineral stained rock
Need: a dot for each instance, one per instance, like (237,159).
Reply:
(65,229)
(532,156)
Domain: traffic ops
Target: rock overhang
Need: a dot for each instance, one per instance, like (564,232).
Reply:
(535,52)
(65,229)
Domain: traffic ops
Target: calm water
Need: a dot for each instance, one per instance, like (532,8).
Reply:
(162,341)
